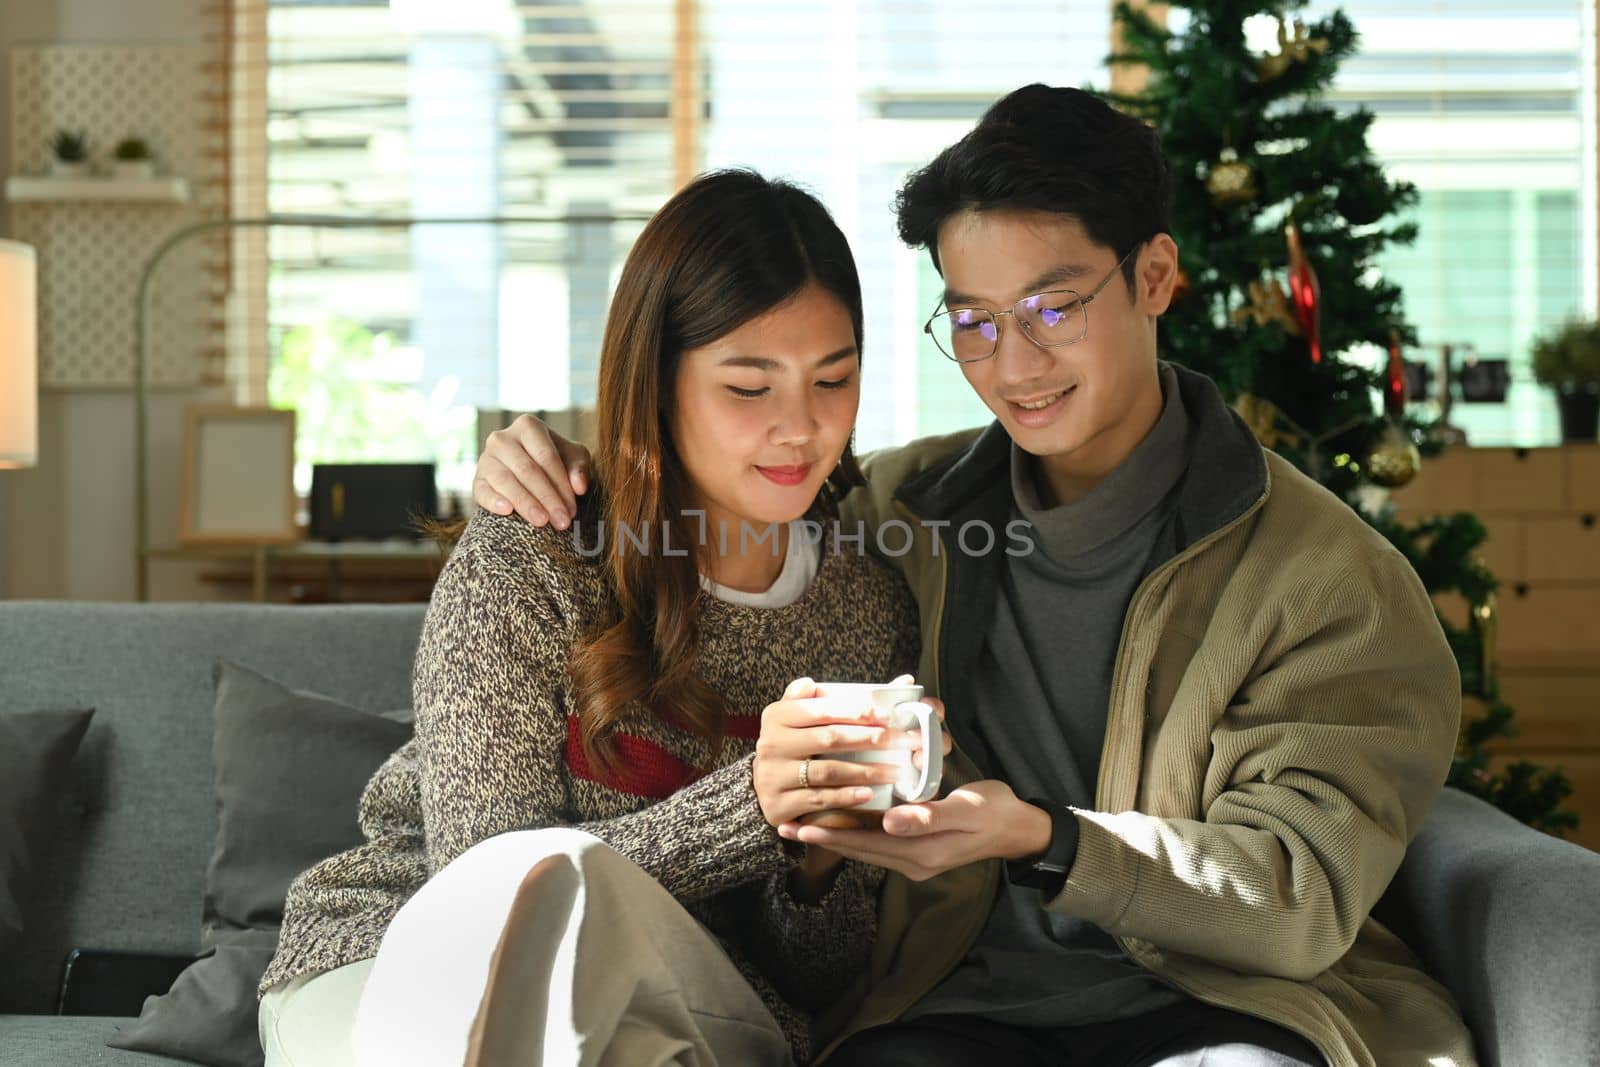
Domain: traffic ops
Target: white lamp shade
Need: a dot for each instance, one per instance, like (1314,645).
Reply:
(19,356)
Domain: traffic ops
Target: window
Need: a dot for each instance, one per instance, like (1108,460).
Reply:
(1487,109)
(847,97)
(387,340)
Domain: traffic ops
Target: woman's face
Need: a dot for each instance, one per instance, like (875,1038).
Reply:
(762,415)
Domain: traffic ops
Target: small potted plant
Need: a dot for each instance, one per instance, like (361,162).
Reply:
(1568,361)
(131,159)
(69,154)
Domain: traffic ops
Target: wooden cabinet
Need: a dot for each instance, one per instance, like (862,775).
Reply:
(1541,509)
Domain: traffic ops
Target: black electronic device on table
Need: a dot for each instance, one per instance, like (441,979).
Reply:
(371,501)
(1484,381)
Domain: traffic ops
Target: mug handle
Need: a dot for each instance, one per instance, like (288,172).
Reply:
(912,787)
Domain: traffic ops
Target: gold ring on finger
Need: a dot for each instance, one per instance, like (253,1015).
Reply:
(805,773)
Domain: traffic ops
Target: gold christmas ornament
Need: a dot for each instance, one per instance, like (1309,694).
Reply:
(1394,460)
(1264,420)
(1485,623)
(1267,303)
(1231,181)
(1291,50)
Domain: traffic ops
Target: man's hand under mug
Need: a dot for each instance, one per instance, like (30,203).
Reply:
(983,820)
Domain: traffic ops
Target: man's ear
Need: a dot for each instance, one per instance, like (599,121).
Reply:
(1156,275)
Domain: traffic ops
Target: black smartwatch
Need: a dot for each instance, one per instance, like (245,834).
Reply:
(1048,871)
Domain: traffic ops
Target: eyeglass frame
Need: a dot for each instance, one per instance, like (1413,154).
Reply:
(1083,302)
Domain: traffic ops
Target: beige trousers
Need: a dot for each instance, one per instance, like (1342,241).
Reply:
(531,948)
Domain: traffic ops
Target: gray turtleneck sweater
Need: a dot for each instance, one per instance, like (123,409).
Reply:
(1045,669)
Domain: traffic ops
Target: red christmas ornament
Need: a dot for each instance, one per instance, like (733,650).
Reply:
(1394,385)
(1304,291)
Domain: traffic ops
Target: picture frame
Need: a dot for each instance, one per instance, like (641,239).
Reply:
(237,482)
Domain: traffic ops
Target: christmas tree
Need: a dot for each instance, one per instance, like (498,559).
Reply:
(1281,211)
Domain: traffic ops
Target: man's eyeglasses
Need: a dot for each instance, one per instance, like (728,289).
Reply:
(1049,319)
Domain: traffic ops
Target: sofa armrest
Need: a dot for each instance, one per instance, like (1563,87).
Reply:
(1509,919)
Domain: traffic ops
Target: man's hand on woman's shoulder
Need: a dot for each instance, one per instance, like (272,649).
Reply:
(530,469)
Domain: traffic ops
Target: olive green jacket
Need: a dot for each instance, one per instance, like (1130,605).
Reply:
(1283,712)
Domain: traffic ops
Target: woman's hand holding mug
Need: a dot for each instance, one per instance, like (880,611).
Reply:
(810,759)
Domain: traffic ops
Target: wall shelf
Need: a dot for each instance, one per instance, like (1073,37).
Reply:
(141,190)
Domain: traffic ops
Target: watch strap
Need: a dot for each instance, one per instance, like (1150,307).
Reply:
(1048,871)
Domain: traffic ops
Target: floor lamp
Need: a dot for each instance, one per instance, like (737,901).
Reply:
(19,356)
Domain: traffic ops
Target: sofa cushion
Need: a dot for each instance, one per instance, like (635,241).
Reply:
(132,874)
(209,1014)
(290,767)
(68,1041)
(35,748)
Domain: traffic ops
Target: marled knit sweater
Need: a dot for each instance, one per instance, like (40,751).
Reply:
(496,749)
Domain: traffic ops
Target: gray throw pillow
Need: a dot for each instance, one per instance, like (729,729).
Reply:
(290,768)
(35,748)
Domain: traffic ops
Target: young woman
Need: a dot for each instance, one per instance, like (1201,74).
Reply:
(575,859)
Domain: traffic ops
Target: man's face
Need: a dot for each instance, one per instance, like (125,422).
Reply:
(1080,407)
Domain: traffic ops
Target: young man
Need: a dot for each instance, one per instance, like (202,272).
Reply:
(1199,718)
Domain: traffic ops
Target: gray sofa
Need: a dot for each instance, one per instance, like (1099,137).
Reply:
(1506,917)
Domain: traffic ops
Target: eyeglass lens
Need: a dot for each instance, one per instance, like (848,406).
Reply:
(971,333)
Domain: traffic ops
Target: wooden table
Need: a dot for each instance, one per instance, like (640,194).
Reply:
(333,553)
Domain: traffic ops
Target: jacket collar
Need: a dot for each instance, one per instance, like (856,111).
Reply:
(1226,472)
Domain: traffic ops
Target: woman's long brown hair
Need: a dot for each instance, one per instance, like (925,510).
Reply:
(728,247)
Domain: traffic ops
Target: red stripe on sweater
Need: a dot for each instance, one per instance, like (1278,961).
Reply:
(744,727)
(646,768)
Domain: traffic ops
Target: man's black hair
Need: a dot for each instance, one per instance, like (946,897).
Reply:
(1047,149)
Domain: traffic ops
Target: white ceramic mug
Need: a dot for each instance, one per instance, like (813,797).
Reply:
(904,710)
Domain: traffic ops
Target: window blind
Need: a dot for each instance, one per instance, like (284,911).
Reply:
(388,340)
